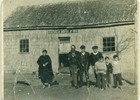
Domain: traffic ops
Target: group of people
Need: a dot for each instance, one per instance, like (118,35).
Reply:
(79,67)
(103,68)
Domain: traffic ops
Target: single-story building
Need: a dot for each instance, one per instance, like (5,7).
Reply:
(55,27)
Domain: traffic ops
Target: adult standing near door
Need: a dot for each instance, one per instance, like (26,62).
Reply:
(45,69)
(94,57)
(74,62)
(84,58)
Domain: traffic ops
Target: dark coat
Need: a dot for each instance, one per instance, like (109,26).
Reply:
(46,71)
(74,59)
(84,59)
(109,68)
(95,58)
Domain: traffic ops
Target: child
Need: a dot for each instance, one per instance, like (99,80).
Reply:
(100,69)
(117,72)
(109,71)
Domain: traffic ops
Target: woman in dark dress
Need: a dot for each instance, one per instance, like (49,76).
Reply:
(45,69)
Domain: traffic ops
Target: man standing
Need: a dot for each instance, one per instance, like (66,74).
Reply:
(84,61)
(94,57)
(74,61)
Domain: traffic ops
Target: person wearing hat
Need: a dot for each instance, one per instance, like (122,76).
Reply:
(45,69)
(84,62)
(94,57)
(74,62)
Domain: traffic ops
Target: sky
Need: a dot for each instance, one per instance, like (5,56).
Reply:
(10,5)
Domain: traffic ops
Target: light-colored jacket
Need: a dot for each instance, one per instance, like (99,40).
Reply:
(116,67)
(100,67)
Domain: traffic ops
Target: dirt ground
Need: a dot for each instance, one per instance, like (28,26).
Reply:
(63,91)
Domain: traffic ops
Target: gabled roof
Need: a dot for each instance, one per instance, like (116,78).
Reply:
(73,13)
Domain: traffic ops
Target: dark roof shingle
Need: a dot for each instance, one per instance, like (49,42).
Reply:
(74,13)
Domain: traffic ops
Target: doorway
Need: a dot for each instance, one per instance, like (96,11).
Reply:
(64,48)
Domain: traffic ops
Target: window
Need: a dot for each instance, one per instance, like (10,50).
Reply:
(64,39)
(24,45)
(109,44)
(64,46)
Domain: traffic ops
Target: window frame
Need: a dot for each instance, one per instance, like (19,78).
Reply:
(109,44)
(24,44)
(63,40)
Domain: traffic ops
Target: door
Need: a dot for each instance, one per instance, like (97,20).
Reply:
(64,49)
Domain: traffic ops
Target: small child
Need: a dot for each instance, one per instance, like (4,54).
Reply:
(117,72)
(109,71)
(100,69)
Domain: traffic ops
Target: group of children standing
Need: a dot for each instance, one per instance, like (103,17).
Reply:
(104,70)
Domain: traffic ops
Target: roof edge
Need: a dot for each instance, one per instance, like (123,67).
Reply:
(100,25)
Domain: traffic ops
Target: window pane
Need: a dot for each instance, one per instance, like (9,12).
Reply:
(113,48)
(24,45)
(104,44)
(112,44)
(20,45)
(109,44)
(21,42)
(108,39)
(104,40)
(112,39)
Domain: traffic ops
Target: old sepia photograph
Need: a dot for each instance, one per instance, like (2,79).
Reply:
(70,49)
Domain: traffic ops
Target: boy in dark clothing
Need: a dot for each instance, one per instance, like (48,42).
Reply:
(94,57)
(84,65)
(109,71)
(74,62)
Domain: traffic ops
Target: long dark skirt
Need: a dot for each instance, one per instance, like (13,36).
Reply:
(47,76)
